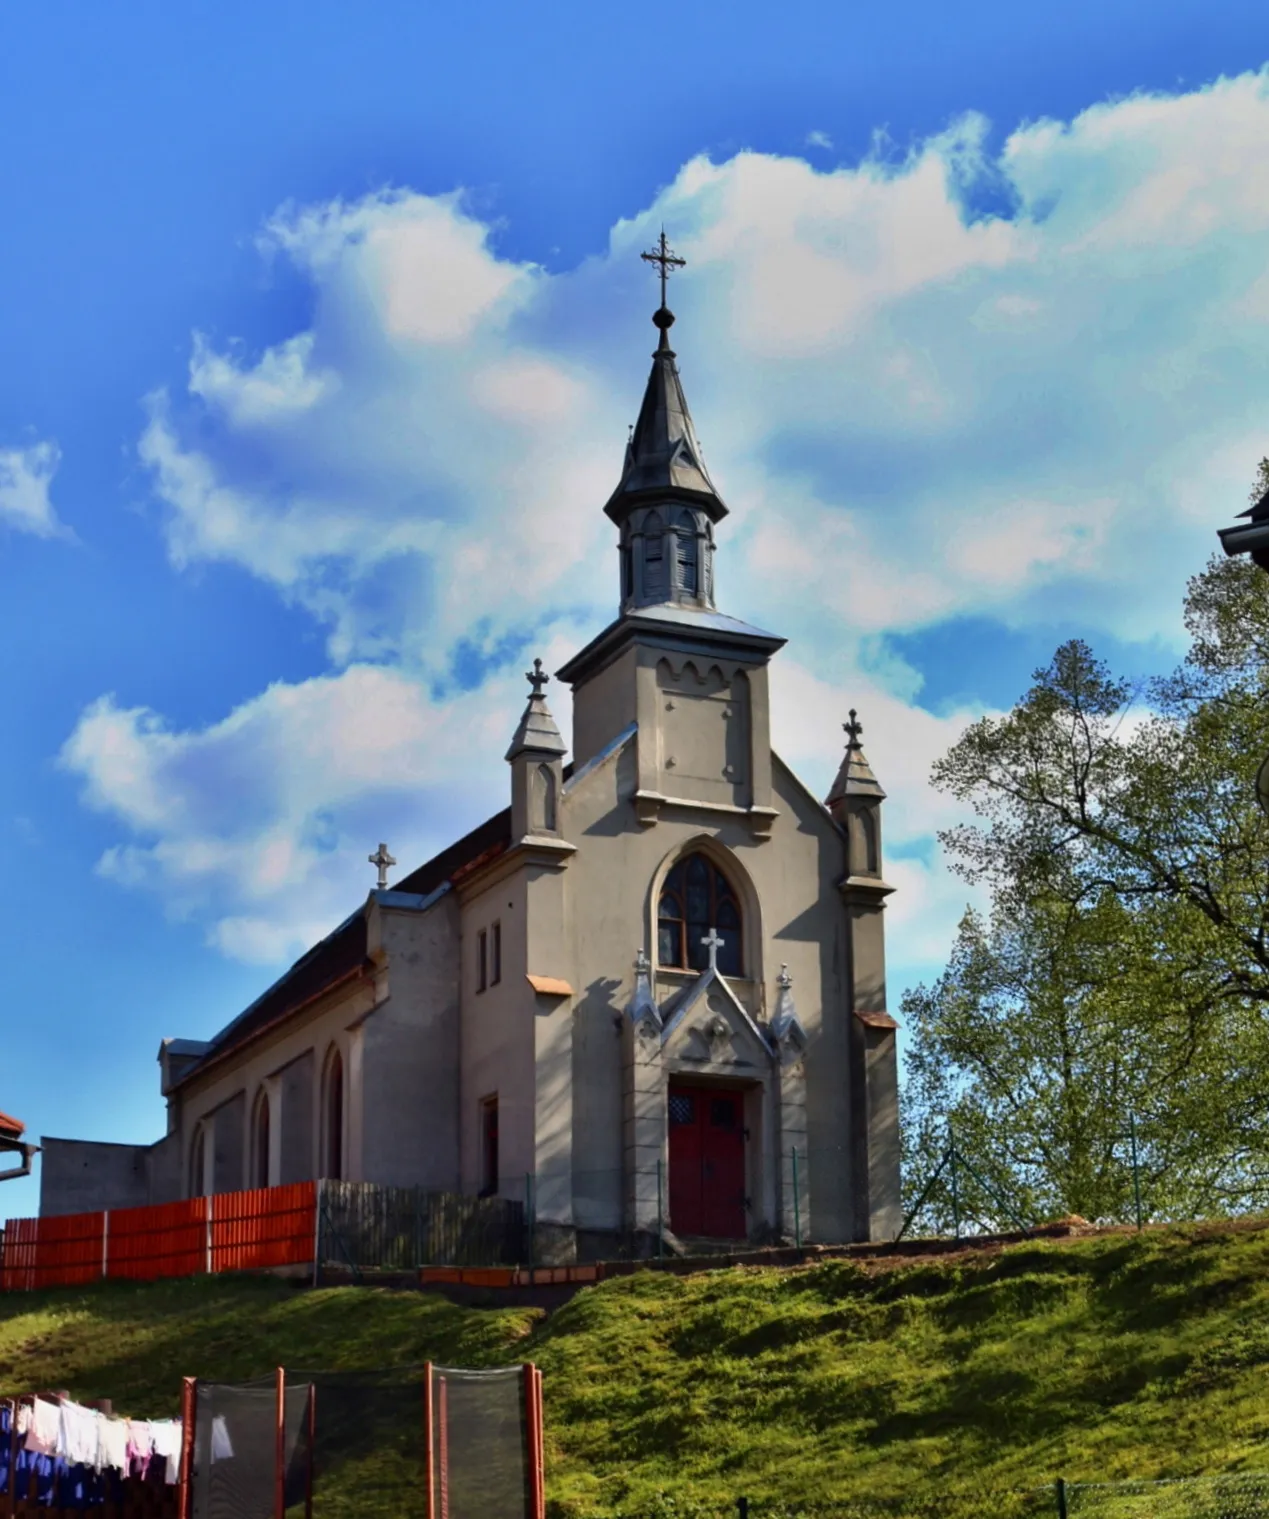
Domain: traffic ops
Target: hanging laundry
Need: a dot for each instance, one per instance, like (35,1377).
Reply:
(79,1443)
(221,1447)
(45,1428)
(166,1434)
(140,1446)
(113,1444)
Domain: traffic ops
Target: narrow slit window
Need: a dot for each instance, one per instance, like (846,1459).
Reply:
(489,1146)
(262,1140)
(482,960)
(495,954)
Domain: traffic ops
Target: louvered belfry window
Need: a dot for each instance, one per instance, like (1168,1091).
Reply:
(687,562)
(696,897)
(654,580)
(686,553)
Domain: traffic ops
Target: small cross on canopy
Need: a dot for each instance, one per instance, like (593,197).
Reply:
(713,944)
(537,677)
(853,729)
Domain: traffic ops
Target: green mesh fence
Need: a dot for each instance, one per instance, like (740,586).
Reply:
(1236,1496)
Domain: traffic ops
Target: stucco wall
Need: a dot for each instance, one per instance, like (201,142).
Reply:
(410,1053)
(790,880)
(229,1145)
(297,1119)
(295,1048)
(80,1176)
(497,1054)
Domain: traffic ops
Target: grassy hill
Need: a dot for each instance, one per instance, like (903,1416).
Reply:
(954,1385)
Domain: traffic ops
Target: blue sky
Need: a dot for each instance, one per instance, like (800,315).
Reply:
(320,327)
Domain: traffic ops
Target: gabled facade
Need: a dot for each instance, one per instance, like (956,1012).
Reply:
(650,993)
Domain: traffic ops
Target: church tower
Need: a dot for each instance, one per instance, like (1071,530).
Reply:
(665,503)
(690,681)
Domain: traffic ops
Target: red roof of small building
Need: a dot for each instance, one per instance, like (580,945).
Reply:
(11,1128)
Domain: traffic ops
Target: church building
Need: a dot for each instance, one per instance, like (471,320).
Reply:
(651,988)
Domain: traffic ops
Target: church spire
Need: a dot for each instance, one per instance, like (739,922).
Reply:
(855,777)
(665,503)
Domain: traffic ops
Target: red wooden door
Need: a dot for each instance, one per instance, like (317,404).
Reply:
(707,1162)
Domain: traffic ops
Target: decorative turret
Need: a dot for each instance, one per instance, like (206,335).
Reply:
(535,757)
(665,503)
(855,802)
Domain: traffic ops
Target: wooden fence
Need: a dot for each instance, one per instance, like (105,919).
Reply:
(355,1225)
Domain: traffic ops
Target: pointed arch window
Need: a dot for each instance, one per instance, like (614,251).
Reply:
(198,1163)
(544,808)
(260,1142)
(696,897)
(333,1117)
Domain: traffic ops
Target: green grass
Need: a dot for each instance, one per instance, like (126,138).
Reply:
(959,1385)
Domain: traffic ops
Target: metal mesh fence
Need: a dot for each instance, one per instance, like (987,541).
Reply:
(1242,1495)
(355,1445)
(369,1444)
(483,1445)
(236,1450)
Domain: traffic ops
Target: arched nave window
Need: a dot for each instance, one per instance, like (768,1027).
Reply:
(260,1142)
(333,1117)
(198,1162)
(696,897)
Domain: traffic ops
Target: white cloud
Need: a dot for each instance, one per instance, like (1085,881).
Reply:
(818,139)
(283,381)
(25,477)
(914,412)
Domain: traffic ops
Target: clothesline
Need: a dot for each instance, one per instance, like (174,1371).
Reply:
(78,1436)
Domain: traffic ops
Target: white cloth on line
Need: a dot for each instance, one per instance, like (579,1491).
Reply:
(24,1419)
(166,1434)
(80,1442)
(221,1445)
(113,1438)
(45,1428)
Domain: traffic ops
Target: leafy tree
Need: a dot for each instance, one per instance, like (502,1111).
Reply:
(1124,967)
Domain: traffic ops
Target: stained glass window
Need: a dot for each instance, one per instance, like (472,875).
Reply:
(695,898)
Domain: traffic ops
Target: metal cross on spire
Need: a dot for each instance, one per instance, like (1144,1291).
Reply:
(853,729)
(537,678)
(664,255)
(383,860)
(713,944)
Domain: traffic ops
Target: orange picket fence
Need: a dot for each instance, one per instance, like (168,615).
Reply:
(235,1231)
